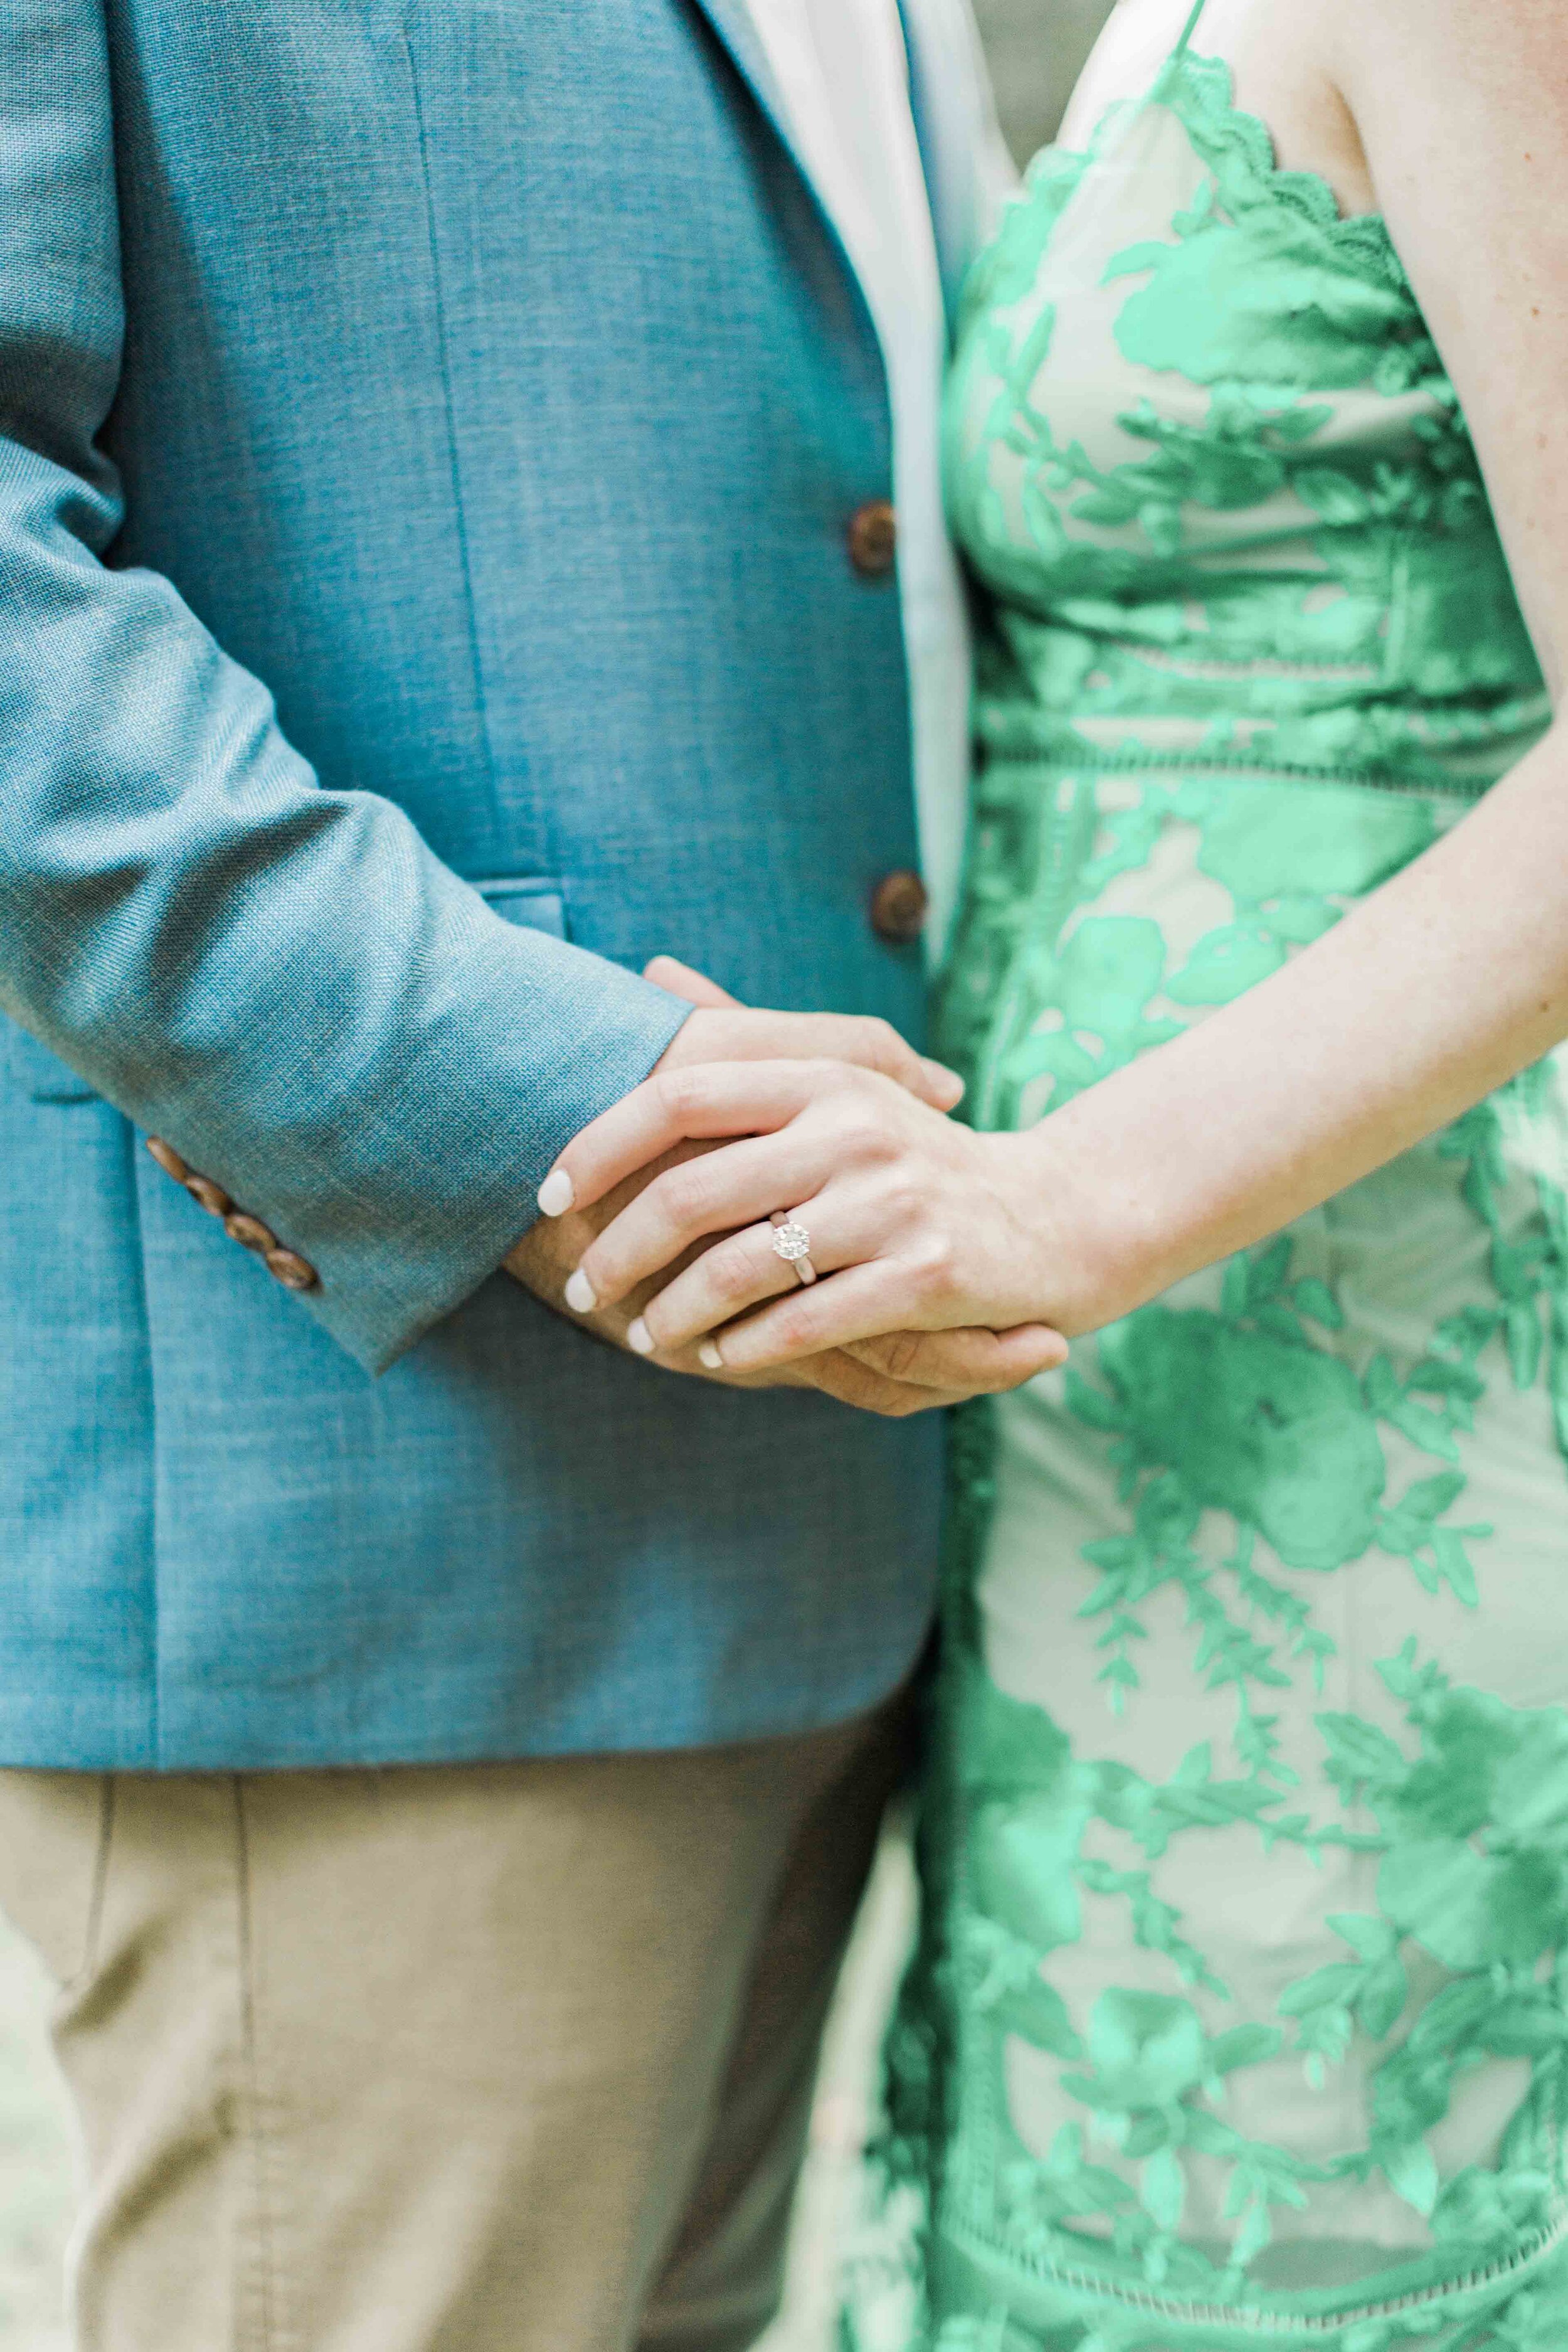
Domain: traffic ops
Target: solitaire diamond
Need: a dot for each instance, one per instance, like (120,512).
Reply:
(792,1241)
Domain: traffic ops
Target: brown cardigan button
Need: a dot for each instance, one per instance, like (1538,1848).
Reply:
(899,906)
(168,1159)
(249,1232)
(213,1197)
(292,1271)
(873,537)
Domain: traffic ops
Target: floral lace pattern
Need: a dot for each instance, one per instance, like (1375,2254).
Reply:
(1240,2008)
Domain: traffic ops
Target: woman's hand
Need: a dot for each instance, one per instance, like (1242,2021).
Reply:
(924,1226)
(892,1377)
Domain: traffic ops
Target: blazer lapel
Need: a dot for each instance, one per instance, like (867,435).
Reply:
(732,20)
(966,169)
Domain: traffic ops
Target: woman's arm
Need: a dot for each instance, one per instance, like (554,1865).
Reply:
(1446,981)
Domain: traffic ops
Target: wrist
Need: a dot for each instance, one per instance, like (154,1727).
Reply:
(1097,1235)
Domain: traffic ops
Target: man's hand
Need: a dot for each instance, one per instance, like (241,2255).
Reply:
(902,1373)
(549,1251)
(722,1031)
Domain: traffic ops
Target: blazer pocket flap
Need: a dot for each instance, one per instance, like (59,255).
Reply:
(40,1074)
(538,905)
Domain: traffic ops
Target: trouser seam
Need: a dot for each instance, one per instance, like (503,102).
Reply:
(252,2063)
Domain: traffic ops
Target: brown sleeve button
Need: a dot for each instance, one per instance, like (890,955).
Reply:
(873,537)
(213,1197)
(249,1232)
(899,906)
(293,1272)
(168,1159)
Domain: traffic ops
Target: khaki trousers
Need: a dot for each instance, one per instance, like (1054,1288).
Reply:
(486,2058)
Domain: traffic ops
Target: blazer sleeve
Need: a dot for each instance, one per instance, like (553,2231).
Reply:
(282,981)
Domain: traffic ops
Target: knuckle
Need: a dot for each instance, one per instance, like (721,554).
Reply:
(867,1043)
(671,1091)
(885,1049)
(902,1195)
(683,1091)
(731,1267)
(936,1267)
(791,1329)
(686,1193)
(837,1079)
(865,1135)
(901,1354)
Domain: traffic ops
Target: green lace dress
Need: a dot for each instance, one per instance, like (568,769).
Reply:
(1240,2009)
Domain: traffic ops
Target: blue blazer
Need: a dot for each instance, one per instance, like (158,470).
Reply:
(427,434)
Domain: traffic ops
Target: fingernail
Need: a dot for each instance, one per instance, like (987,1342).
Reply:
(556,1193)
(639,1339)
(708,1354)
(581,1295)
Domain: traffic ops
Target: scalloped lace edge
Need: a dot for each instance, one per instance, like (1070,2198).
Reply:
(1212,82)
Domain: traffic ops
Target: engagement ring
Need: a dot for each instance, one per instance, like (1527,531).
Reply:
(793,1243)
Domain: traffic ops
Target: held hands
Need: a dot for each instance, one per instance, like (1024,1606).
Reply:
(547,1257)
(934,1236)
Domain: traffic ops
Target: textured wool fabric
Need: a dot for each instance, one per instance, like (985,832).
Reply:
(428,435)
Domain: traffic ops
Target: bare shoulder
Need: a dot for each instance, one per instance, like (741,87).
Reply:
(1462,109)
(1280,55)
(1461,106)
(1464,83)
(1498,45)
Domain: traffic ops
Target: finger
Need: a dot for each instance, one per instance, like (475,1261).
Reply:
(677,979)
(838,1375)
(745,1268)
(739,1272)
(872,1044)
(717,1193)
(984,1363)
(864,1302)
(710,1100)
(860,1039)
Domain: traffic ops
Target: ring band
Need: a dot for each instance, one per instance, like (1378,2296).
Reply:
(793,1243)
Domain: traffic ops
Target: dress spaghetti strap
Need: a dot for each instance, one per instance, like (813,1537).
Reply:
(1189,29)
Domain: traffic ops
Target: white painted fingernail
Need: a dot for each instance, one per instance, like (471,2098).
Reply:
(556,1193)
(639,1339)
(708,1354)
(581,1295)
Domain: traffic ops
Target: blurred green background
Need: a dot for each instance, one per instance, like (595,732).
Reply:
(1036,48)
